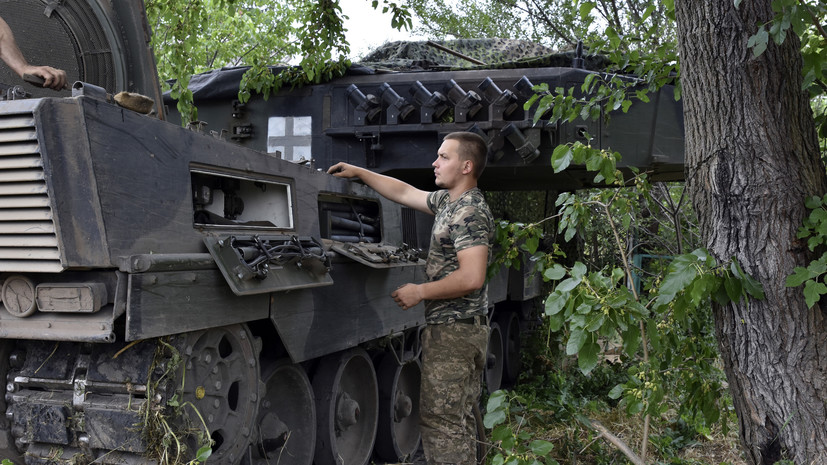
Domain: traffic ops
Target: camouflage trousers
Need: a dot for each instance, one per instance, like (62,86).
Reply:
(453,359)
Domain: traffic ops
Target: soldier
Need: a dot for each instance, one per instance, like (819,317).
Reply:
(455,295)
(11,54)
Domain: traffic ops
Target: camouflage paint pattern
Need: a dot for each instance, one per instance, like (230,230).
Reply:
(495,53)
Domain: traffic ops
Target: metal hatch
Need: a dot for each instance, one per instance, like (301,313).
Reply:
(259,264)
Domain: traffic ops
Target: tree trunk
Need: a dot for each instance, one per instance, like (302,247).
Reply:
(752,158)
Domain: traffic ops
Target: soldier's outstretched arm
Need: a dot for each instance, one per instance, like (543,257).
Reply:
(390,188)
(10,53)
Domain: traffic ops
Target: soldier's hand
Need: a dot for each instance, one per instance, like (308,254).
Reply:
(53,78)
(344,170)
(407,296)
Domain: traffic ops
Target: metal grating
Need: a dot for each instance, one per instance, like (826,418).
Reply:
(409,235)
(28,239)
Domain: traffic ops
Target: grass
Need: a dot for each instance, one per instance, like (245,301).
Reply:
(554,402)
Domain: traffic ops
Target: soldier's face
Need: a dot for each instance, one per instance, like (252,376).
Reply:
(448,166)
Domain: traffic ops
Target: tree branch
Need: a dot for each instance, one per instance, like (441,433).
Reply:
(632,5)
(552,25)
(615,441)
(815,20)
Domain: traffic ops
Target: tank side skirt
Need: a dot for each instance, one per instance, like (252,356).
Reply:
(165,303)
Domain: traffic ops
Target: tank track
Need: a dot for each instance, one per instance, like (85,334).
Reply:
(149,402)
(75,403)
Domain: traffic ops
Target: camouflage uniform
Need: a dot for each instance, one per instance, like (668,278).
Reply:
(455,338)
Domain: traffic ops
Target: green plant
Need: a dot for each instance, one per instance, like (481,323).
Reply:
(513,444)
(814,276)
(166,426)
(662,327)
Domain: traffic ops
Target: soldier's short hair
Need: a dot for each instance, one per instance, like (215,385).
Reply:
(471,147)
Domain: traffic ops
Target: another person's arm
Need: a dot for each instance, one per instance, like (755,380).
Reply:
(11,54)
(390,188)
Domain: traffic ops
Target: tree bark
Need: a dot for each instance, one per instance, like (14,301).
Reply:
(751,159)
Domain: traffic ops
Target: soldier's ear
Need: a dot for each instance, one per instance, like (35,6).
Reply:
(467,166)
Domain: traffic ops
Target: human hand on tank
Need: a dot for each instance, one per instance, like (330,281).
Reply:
(344,170)
(407,295)
(46,76)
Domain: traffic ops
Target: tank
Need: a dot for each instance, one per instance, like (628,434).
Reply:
(211,294)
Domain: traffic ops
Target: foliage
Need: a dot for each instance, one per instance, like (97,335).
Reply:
(665,334)
(556,402)
(514,445)
(814,276)
(165,426)
(555,23)
(472,19)
(194,36)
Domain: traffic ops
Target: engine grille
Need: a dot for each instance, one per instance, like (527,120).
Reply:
(28,239)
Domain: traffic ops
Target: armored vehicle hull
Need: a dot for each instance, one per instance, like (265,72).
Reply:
(153,273)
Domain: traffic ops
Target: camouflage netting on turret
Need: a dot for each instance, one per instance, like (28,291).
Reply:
(495,53)
(416,56)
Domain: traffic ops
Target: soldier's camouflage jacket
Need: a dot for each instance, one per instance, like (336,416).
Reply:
(458,225)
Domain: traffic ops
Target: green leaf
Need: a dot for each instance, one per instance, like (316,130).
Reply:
(585,10)
(799,276)
(496,400)
(204,453)
(502,432)
(720,295)
(596,322)
(584,308)
(733,288)
(576,341)
(617,391)
(813,291)
(494,418)
(579,270)
(654,334)
(813,202)
(561,158)
(758,42)
(555,322)
(555,302)
(698,289)
(540,447)
(681,273)
(634,407)
(614,39)
(587,357)
(631,340)
(555,272)
(750,284)
(570,232)
(531,244)
(567,285)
